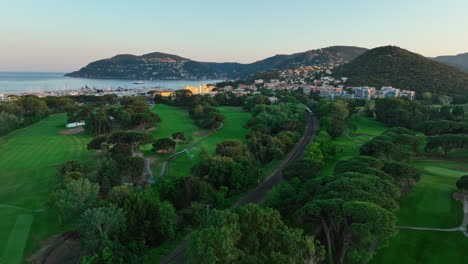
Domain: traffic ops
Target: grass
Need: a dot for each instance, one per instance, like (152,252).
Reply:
(430,204)
(18,238)
(28,161)
(173,120)
(233,128)
(347,147)
(428,247)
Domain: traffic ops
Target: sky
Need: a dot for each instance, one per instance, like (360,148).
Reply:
(63,35)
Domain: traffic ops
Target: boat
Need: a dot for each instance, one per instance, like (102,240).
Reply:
(139,82)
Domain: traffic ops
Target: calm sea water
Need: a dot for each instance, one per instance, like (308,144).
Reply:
(16,82)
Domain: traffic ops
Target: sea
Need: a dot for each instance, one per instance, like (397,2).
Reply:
(30,82)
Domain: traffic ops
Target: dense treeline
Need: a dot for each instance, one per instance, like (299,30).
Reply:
(445,127)
(416,114)
(397,143)
(275,130)
(355,205)
(251,234)
(132,113)
(117,219)
(29,109)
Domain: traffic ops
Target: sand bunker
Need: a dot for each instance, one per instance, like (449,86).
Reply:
(72,131)
(200,133)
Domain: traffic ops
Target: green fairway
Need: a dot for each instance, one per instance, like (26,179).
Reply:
(17,240)
(444,171)
(173,120)
(28,166)
(428,247)
(348,144)
(430,203)
(233,128)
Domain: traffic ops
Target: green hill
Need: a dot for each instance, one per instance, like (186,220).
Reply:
(393,66)
(166,66)
(459,61)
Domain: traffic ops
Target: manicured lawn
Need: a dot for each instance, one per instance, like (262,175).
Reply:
(173,120)
(347,147)
(428,247)
(233,128)
(430,203)
(28,161)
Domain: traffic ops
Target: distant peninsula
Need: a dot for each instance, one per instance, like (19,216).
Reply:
(164,66)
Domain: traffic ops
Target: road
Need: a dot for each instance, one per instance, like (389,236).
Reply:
(257,195)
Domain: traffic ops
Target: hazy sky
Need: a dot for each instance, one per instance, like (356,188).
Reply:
(53,35)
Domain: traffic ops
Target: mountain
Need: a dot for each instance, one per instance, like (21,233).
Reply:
(149,66)
(166,66)
(459,61)
(393,66)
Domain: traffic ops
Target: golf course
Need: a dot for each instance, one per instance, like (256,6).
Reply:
(348,144)
(28,167)
(29,158)
(179,120)
(430,204)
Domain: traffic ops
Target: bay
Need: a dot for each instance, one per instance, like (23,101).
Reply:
(24,82)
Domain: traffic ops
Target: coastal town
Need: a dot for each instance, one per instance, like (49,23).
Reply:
(302,79)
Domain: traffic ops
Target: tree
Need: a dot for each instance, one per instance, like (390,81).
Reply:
(131,168)
(314,152)
(73,166)
(356,163)
(150,222)
(179,136)
(462,184)
(99,123)
(9,122)
(101,227)
(403,174)
(119,193)
(211,120)
(303,169)
(33,106)
(447,143)
(251,234)
(222,171)
(142,120)
(378,149)
(233,149)
(349,225)
(77,196)
(109,174)
(458,111)
(163,145)
(183,191)
(96,143)
(353,209)
(133,140)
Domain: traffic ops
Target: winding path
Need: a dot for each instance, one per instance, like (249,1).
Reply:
(258,194)
(152,179)
(463,227)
